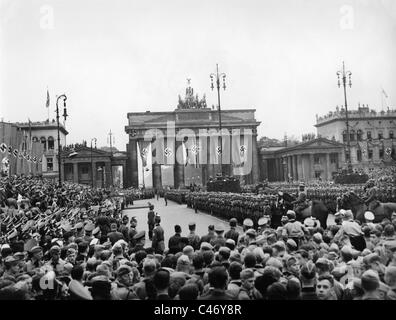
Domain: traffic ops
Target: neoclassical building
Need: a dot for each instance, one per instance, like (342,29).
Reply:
(372,135)
(161,142)
(93,166)
(315,159)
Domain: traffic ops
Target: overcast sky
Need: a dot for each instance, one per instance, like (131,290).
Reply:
(118,56)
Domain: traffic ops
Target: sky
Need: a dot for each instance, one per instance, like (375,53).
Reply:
(118,56)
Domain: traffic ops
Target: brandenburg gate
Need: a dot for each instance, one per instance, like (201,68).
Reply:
(181,147)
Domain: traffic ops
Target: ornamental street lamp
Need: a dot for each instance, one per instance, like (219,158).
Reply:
(65,115)
(217,76)
(92,170)
(344,74)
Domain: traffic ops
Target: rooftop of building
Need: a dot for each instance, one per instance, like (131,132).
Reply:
(47,124)
(361,112)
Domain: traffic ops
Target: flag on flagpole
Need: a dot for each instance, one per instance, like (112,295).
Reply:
(48,100)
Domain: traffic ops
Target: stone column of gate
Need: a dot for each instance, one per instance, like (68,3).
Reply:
(157,176)
(133,173)
(255,163)
(178,171)
(210,166)
(75,172)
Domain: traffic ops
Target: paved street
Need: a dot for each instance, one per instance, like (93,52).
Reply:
(172,214)
(175,213)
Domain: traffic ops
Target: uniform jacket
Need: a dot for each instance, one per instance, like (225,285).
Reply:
(158,239)
(232,234)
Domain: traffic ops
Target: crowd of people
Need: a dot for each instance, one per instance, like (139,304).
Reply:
(73,242)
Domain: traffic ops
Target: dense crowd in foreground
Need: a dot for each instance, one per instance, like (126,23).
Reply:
(74,243)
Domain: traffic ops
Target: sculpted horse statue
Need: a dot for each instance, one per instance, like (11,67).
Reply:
(316,209)
(351,201)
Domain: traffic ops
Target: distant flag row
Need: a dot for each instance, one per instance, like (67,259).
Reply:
(19,154)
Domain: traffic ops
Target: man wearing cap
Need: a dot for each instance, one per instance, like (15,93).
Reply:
(151,221)
(79,229)
(124,282)
(369,218)
(210,236)
(193,239)
(36,259)
(89,227)
(114,235)
(263,223)
(124,228)
(219,240)
(140,240)
(11,269)
(158,243)
(294,229)
(247,224)
(56,263)
(301,203)
(174,241)
(132,232)
(232,233)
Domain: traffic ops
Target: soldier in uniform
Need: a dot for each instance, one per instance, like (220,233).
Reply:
(89,227)
(123,284)
(140,239)
(219,240)
(132,232)
(193,239)
(301,203)
(124,228)
(158,236)
(210,236)
(232,233)
(247,224)
(150,221)
(174,244)
(372,193)
(79,229)
(36,259)
(263,223)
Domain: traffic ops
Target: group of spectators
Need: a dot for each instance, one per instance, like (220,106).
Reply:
(73,242)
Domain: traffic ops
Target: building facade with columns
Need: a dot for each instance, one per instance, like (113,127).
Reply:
(181,147)
(372,135)
(95,167)
(312,160)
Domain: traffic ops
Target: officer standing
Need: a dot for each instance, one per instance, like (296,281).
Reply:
(158,243)
(193,239)
(150,221)
(232,233)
